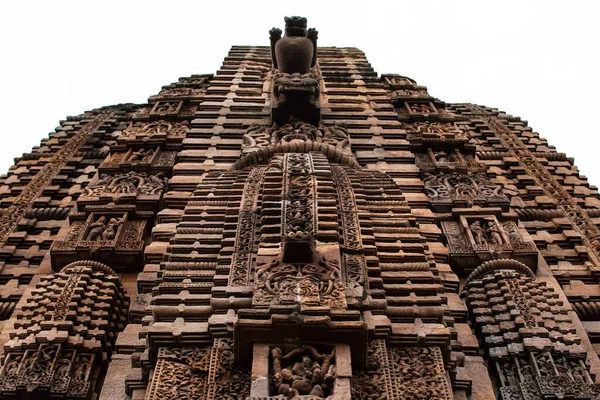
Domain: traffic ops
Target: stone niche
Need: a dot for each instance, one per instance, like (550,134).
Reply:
(476,235)
(112,234)
(446,160)
(304,371)
(167,110)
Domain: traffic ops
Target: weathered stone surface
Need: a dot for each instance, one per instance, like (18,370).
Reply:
(296,226)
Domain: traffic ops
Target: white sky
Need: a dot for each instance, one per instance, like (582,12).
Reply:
(535,59)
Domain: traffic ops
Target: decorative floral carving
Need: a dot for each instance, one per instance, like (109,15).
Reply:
(317,284)
(155,129)
(462,187)
(260,136)
(407,373)
(129,183)
(198,373)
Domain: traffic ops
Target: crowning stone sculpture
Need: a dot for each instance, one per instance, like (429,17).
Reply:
(296,227)
(296,91)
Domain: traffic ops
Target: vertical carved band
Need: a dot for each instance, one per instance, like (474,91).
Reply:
(353,261)
(62,304)
(241,262)
(299,207)
(23,202)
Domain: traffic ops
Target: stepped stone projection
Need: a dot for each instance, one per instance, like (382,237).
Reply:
(298,227)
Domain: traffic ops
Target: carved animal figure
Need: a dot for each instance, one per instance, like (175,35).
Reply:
(296,52)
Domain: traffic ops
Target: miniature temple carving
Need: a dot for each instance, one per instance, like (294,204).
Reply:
(530,340)
(66,334)
(298,227)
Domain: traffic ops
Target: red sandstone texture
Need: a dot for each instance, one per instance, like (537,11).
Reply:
(298,227)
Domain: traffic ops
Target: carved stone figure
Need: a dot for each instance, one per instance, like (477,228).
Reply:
(493,232)
(296,90)
(302,371)
(140,155)
(128,183)
(296,52)
(111,230)
(95,230)
(477,232)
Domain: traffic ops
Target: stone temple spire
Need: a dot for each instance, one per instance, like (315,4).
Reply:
(298,227)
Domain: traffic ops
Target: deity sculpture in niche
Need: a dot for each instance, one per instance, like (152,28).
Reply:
(295,92)
(476,235)
(112,234)
(302,371)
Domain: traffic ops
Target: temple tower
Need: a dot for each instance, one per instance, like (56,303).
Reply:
(298,227)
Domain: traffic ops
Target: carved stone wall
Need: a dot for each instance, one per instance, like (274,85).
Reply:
(297,226)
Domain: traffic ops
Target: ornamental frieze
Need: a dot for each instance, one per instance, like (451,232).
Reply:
(449,190)
(434,160)
(154,133)
(421,134)
(152,160)
(143,189)
(259,136)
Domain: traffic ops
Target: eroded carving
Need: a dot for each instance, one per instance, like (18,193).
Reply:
(302,371)
(198,373)
(128,183)
(466,189)
(408,373)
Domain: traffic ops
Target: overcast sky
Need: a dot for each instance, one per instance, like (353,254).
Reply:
(535,59)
